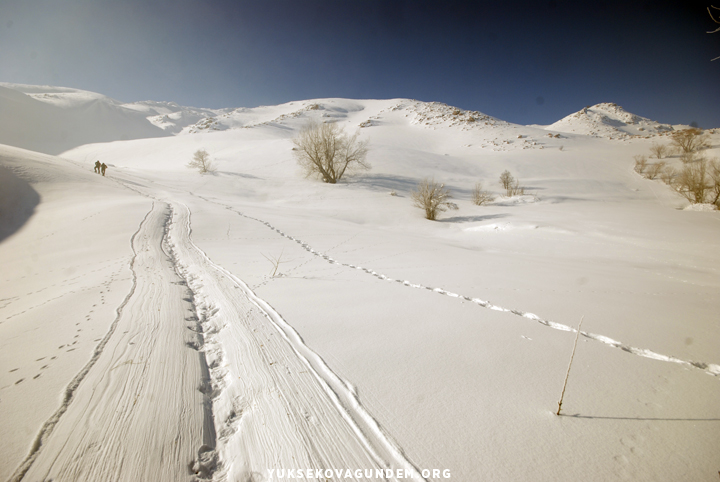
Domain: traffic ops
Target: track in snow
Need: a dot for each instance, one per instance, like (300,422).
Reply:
(135,411)
(277,405)
(709,368)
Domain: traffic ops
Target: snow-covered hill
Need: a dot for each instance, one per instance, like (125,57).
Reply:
(610,121)
(71,117)
(171,117)
(158,324)
(54,119)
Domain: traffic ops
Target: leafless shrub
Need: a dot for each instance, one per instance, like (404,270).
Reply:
(659,150)
(654,169)
(481,197)
(667,175)
(511,185)
(689,157)
(201,161)
(640,163)
(506,179)
(516,189)
(433,198)
(692,181)
(688,140)
(714,175)
(324,150)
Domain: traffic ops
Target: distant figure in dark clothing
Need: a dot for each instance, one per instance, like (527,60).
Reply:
(102,168)
(97,167)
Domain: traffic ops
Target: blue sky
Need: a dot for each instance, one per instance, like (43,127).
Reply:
(524,62)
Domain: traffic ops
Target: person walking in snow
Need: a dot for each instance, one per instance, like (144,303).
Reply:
(97,167)
(103,167)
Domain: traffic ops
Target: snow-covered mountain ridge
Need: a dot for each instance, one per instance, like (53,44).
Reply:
(72,117)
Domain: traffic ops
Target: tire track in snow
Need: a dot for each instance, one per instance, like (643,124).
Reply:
(310,417)
(709,368)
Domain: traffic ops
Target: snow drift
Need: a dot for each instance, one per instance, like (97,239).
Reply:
(17,202)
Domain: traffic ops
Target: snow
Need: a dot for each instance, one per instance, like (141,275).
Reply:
(609,120)
(144,337)
(52,120)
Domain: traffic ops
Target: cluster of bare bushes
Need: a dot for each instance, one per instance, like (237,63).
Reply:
(325,151)
(435,198)
(511,185)
(698,178)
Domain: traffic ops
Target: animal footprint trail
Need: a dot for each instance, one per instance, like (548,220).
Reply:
(709,368)
(276,403)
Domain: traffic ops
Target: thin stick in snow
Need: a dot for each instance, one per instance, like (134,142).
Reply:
(275,261)
(569,365)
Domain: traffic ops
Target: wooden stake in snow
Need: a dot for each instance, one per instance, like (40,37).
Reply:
(569,365)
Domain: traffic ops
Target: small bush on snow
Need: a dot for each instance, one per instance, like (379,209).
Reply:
(640,163)
(201,161)
(480,196)
(433,198)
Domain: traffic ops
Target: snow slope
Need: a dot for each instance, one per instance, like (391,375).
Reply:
(171,117)
(384,342)
(54,119)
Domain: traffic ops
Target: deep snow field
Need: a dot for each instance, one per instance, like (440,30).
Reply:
(143,335)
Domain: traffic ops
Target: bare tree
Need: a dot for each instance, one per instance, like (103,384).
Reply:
(688,140)
(433,198)
(658,150)
(324,150)
(714,20)
(201,161)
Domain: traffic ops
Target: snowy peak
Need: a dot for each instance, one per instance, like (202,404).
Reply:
(608,120)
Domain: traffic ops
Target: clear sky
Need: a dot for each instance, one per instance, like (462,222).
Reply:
(524,62)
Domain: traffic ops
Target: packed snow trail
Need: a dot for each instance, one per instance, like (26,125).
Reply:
(136,413)
(277,405)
